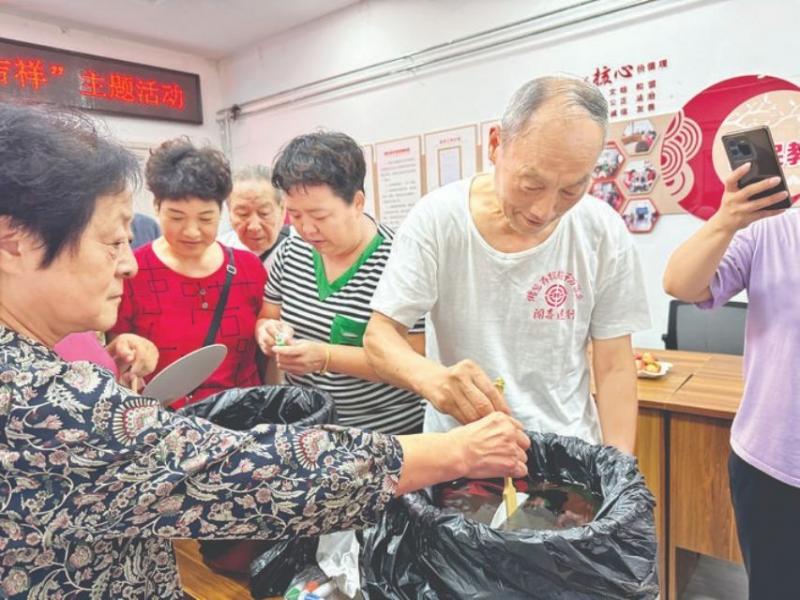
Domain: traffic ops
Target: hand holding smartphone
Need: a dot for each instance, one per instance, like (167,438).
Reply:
(756,147)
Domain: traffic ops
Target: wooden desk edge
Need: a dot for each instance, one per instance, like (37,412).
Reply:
(688,408)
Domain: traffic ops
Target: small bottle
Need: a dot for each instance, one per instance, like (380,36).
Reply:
(293,593)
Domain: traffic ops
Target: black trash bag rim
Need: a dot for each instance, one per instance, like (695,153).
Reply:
(217,403)
(408,554)
(612,518)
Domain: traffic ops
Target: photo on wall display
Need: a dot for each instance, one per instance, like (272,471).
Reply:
(651,130)
(639,136)
(608,192)
(639,176)
(640,215)
(608,164)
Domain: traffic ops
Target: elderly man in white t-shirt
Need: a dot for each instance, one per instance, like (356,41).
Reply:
(257,214)
(518,271)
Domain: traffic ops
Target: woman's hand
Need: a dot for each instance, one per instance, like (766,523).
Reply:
(135,356)
(270,331)
(301,358)
(736,210)
(494,446)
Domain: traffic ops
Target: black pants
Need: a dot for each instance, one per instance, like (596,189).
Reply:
(768,520)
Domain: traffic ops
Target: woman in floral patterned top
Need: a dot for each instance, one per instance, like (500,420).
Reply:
(95,480)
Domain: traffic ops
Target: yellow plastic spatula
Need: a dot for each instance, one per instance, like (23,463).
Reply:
(509,491)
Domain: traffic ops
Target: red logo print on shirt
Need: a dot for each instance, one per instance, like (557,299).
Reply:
(555,295)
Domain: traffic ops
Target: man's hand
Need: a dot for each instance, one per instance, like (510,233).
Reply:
(135,356)
(464,392)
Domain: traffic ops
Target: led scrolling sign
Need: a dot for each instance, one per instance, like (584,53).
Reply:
(41,74)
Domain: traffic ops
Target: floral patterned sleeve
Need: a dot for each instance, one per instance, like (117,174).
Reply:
(83,459)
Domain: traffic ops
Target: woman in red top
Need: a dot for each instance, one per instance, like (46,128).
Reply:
(172,299)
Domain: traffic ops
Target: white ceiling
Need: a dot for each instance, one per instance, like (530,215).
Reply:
(209,28)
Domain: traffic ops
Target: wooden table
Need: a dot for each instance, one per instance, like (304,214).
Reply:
(701,515)
(682,447)
(200,582)
(652,436)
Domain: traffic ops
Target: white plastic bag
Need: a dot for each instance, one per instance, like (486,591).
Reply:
(337,556)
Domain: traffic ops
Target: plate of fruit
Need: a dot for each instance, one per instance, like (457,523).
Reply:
(649,367)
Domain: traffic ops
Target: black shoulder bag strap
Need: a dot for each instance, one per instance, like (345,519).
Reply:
(223,300)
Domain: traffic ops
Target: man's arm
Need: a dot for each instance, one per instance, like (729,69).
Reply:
(617,403)
(392,356)
(463,391)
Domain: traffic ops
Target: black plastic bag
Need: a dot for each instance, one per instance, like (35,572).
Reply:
(241,409)
(272,572)
(418,551)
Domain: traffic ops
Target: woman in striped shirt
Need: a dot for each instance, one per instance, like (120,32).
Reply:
(321,283)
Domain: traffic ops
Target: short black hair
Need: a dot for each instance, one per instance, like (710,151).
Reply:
(178,170)
(54,164)
(322,158)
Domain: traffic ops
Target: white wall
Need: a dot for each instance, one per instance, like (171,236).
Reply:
(363,34)
(704,42)
(134,132)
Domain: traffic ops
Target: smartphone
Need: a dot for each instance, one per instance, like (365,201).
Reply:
(755,146)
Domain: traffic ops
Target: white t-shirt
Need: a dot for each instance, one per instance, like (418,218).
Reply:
(525,316)
(230,239)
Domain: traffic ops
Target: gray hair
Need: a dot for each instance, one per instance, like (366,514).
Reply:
(258,173)
(569,91)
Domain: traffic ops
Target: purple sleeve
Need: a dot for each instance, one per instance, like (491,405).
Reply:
(733,272)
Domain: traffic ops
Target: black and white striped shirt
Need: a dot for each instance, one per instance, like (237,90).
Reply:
(338,313)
